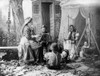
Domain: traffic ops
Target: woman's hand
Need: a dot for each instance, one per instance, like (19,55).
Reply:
(35,36)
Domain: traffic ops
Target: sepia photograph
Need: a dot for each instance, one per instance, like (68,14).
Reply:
(49,37)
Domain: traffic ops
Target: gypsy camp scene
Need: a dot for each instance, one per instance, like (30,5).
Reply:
(49,38)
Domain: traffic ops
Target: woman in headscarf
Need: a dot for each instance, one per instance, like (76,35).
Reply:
(25,52)
(72,38)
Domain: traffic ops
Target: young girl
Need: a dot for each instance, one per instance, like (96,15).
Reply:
(84,47)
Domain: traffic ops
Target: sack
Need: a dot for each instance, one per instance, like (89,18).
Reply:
(67,45)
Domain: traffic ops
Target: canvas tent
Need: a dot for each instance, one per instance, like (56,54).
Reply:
(78,14)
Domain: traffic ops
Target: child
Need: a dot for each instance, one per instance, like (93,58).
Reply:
(53,58)
(83,49)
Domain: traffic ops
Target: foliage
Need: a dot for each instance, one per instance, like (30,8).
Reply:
(6,39)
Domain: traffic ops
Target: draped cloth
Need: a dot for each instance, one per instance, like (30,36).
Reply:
(25,52)
(18,17)
(69,14)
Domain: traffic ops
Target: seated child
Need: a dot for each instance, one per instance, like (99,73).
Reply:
(53,58)
(83,49)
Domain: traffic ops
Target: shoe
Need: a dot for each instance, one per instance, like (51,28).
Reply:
(42,63)
(35,63)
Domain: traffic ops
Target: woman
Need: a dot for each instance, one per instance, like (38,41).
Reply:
(72,39)
(24,49)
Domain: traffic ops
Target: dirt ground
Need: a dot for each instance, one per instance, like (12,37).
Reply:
(85,67)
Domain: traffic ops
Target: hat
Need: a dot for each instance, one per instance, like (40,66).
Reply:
(27,20)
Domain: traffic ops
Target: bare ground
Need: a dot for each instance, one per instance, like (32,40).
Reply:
(86,67)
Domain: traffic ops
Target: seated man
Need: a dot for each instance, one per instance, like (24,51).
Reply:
(53,58)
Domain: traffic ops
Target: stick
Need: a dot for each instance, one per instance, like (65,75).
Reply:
(8,47)
(81,37)
(93,35)
(95,41)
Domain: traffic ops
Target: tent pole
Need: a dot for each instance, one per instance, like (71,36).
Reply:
(81,37)
(68,19)
(95,41)
(89,30)
(68,22)
(93,35)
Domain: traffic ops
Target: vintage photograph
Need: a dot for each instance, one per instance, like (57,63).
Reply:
(49,37)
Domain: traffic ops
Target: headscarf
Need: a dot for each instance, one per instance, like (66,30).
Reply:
(27,20)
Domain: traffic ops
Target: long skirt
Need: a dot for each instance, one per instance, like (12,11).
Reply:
(72,51)
(25,52)
(71,47)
